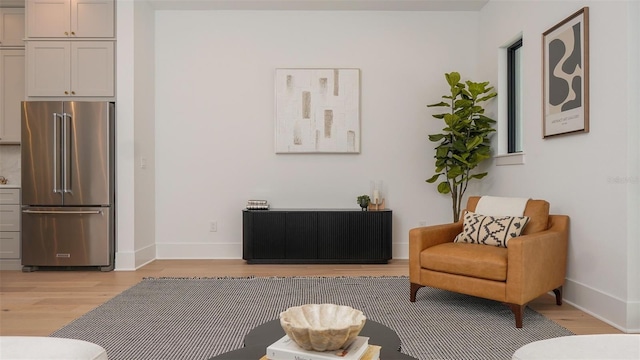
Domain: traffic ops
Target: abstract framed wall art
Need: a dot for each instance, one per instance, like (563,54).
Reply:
(565,76)
(317,110)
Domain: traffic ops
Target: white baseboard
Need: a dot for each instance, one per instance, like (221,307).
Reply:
(400,250)
(196,251)
(603,306)
(132,260)
(125,261)
(231,251)
(12,264)
(633,317)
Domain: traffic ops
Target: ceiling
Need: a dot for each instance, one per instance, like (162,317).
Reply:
(378,5)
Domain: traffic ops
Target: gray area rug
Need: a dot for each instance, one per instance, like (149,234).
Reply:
(180,318)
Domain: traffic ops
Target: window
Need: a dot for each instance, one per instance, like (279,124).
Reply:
(514,100)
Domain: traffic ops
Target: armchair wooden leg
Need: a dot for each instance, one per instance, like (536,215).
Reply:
(518,310)
(414,290)
(558,293)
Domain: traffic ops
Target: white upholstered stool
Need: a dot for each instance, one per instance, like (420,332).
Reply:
(606,346)
(49,348)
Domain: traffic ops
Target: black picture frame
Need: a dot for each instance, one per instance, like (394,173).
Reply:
(565,76)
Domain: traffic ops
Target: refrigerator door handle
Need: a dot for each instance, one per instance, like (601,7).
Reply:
(55,154)
(72,212)
(66,151)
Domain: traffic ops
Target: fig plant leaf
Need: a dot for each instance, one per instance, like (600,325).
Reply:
(465,140)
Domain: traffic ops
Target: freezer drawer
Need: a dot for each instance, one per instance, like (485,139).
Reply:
(67,237)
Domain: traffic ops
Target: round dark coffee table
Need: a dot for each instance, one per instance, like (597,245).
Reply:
(257,340)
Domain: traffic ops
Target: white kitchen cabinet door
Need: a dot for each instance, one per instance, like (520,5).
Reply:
(48,68)
(48,18)
(70,18)
(11,94)
(10,218)
(93,18)
(10,223)
(11,27)
(70,68)
(92,68)
(9,245)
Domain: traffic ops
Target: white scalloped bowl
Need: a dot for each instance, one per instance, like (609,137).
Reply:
(322,327)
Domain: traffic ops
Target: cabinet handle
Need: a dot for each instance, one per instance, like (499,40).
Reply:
(66,93)
(73,33)
(73,93)
(81,212)
(66,33)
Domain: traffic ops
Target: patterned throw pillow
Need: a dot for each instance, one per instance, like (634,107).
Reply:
(490,230)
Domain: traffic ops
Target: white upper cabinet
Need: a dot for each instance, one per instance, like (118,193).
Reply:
(11,93)
(70,18)
(93,18)
(92,68)
(12,73)
(48,68)
(11,27)
(70,68)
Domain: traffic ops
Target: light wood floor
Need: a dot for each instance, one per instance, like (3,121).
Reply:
(41,302)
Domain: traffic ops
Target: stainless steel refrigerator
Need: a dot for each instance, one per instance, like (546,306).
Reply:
(68,184)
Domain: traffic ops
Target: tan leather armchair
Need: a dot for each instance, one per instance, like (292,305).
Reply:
(533,264)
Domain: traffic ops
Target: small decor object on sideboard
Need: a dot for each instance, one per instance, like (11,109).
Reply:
(377,201)
(257,205)
(363,201)
(375,206)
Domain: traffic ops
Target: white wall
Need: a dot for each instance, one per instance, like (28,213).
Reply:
(586,176)
(125,138)
(135,135)
(215,117)
(633,166)
(144,127)
(214,129)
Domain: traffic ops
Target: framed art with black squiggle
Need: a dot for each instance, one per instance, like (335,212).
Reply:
(565,76)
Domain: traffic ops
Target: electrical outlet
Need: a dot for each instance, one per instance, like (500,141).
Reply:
(213,226)
(422,223)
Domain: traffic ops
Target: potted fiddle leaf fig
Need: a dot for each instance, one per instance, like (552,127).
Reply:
(465,140)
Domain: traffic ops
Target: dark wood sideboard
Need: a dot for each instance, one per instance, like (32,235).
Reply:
(281,236)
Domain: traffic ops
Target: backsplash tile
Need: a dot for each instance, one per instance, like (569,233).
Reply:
(10,163)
